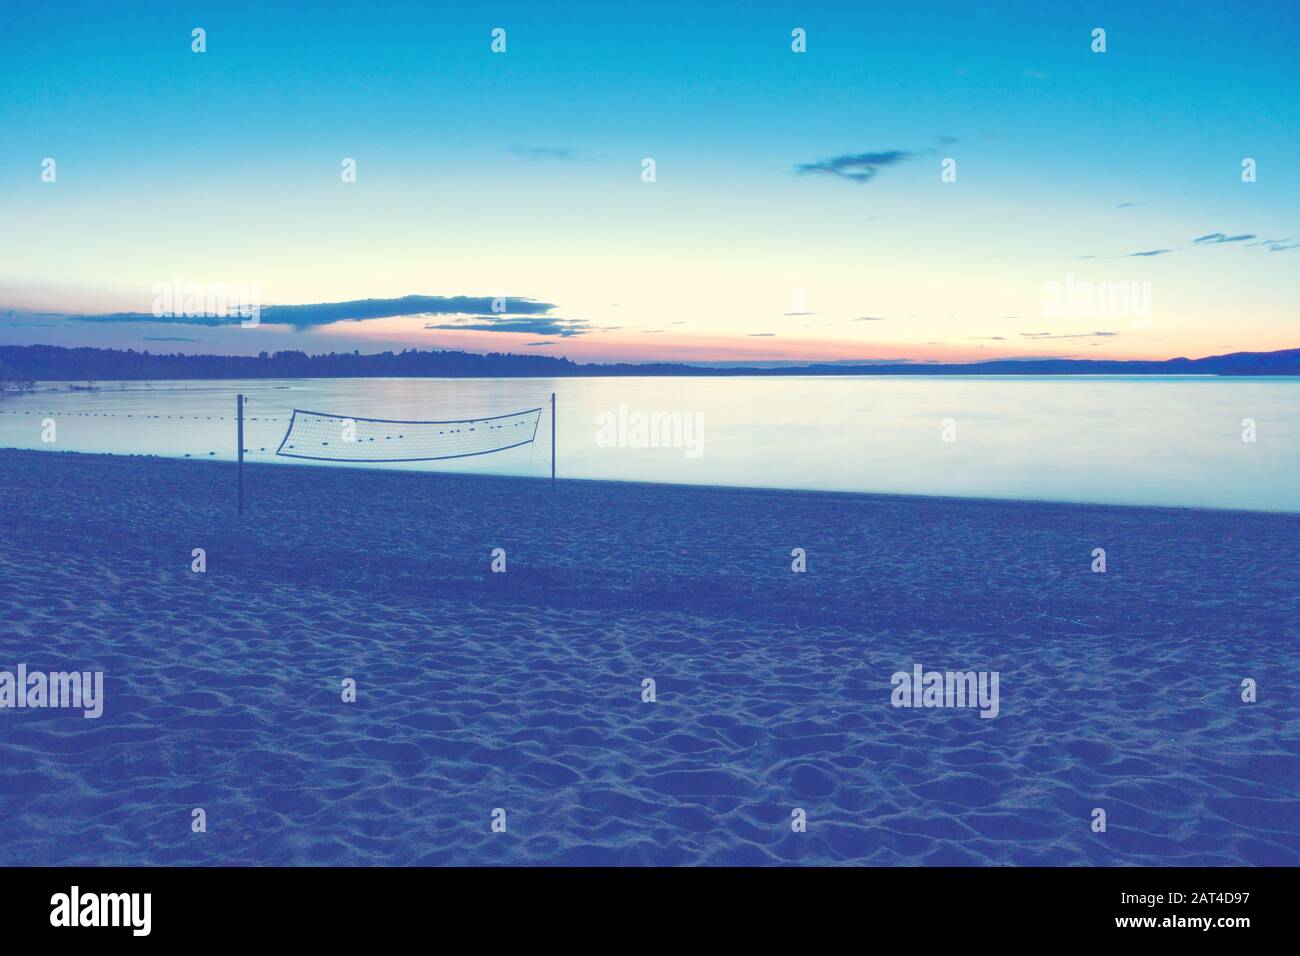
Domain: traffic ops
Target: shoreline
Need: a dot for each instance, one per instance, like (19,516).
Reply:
(737,489)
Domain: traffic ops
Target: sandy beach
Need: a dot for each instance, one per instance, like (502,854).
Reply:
(523,691)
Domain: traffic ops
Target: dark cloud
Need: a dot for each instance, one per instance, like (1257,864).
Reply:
(24,319)
(1149,252)
(1130,205)
(204,321)
(362,309)
(357,310)
(761,335)
(856,167)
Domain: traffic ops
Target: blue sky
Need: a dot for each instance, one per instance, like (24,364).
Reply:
(517,177)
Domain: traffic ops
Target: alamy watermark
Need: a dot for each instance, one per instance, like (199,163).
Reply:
(627,428)
(75,690)
(922,688)
(212,300)
(130,910)
(1084,299)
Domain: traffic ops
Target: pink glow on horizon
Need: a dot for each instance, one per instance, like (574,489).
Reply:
(658,347)
(639,348)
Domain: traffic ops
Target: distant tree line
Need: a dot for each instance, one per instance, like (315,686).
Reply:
(21,365)
(56,363)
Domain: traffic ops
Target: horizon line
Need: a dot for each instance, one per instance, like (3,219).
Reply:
(1290,358)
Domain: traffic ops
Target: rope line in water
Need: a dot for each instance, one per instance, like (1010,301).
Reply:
(142,417)
(320,436)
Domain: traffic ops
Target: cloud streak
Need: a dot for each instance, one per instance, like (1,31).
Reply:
(564,328)
(360,310)
(546,154)
(1202,242)
(357,310)
(1076,335)
(1277,245)
(1218,238)
(856,167)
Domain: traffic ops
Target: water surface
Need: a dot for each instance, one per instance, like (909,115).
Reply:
(1148,440)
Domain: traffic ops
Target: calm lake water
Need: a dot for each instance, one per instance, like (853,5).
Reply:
(1125,440)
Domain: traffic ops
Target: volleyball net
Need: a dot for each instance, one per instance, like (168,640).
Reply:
(323,436)
(258,423)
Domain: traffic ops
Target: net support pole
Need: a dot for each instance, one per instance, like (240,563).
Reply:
(552,439)
(239,435)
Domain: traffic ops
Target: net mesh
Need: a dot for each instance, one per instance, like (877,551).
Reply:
(324,437)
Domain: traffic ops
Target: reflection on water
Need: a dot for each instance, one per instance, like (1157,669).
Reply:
(1133,440)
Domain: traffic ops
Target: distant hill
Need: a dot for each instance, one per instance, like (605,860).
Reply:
(55,363)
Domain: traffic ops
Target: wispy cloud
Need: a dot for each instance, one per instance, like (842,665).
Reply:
(1277,245)
(1209,239)
(547,154)
(856,167)
(1076,335)
(1216,238)
(870,318)
(563,328)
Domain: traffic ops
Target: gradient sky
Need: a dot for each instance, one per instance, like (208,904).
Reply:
(519,175)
